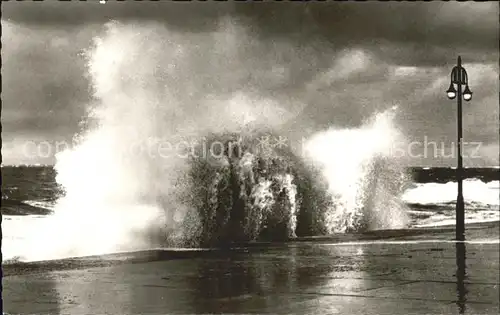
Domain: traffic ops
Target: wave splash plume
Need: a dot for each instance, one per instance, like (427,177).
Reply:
(152,85)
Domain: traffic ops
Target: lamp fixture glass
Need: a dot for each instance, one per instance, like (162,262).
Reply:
(467,94)
(452,93)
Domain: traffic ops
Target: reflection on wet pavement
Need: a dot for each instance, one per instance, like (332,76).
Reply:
(298,278)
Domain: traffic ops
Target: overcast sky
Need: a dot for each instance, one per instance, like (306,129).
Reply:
(344,61)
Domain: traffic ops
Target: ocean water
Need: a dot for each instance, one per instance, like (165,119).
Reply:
(30,196)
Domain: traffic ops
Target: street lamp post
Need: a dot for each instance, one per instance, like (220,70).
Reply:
(459,78)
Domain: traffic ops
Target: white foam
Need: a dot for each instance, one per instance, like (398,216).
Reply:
(361,173)
(404,242)
(15,234)
(440,220)
(41,204)
(474,190)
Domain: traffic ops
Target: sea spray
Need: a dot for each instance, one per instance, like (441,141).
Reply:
(254,198)
(152,86)
(358,183)
(133,182)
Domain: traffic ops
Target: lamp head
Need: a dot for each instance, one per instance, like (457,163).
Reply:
(451,92)
(467,94)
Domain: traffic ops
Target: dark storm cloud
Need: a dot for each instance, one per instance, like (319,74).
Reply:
(187,15)
(43,86)
(423,33)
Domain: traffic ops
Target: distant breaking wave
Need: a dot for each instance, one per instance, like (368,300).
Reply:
(476,194)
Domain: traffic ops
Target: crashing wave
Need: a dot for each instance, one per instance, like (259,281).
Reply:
(254,194)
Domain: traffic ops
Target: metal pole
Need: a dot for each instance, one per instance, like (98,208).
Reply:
(460,215)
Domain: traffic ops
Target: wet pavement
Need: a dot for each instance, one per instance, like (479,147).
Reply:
(419,274)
